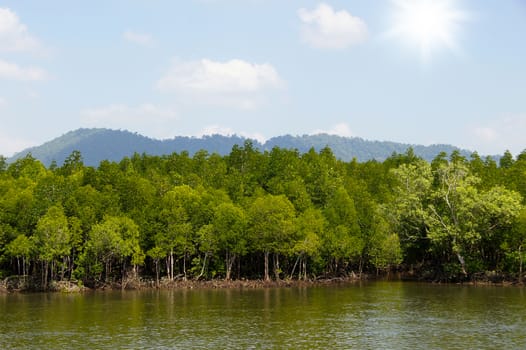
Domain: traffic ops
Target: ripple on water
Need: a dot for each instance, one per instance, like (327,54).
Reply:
(369,316)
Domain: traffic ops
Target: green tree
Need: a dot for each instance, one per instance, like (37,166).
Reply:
(408,212)
(506,161)
(386,250)
(343,239)
(456,216)
(52,237)
(206,240)
(310,225)
(156,253)
(17,205)
(28,167)
(246,169)
(211,169)
(72,164)
(3,164)
(180,206)
(113,241)
(21,248)
(514,244)
(451,220)
(514,177)
(272,226)
(322,175)
(498,213)
(230,224)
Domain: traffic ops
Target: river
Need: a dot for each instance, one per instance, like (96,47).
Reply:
(373,315)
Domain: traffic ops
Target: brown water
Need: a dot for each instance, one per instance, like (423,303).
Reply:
(382,315)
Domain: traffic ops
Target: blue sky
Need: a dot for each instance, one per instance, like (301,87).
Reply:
(413,71)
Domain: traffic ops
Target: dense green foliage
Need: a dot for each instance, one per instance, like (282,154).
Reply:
(251,214)
(103,144)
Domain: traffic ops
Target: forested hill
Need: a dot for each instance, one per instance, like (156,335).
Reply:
(347,148)
(96,145)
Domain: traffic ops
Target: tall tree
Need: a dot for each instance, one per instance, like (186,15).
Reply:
(456,216)
(52,237)
(409,208)
(180,206)
(230,224)
(310,227)
(3,163)
(114,241)
(21,248)
(272,225)
(343,240)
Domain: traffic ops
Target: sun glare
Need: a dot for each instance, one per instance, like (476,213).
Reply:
(430,25)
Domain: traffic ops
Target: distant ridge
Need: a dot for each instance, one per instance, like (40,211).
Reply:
(100,144)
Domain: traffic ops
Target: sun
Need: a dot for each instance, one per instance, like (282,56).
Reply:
(430,25)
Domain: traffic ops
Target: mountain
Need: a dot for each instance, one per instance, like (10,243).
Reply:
(347,148)
(96,145)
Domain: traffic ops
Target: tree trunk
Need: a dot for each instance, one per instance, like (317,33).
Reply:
(238,268)
(157,272)
(171,274)
(276,266)
(123,275)
(62,270)
(52,270)
(462,264)
(520,264)
(167,261)
(229,259)
(45,264)
(135,272)
(71,261)
(294,268)
(267,277)
(184,266)
(203,267)
(360,267)
(107,268)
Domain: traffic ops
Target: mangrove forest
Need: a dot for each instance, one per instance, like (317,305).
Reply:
(265,215)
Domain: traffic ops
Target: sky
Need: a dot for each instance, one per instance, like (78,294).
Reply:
(411,71)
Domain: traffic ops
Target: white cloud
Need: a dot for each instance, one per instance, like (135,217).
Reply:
(216,130)
(485,134)
(341,129)
(146,118)
(9,145)
(227,131)
(326,28)
(234,83)
(496,136)
(14,35)
(13,71)
(254,136)
(138,38)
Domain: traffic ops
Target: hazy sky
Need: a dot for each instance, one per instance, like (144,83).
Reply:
(413,71)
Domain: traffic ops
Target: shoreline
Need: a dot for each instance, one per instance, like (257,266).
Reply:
(130,285)
(10,285)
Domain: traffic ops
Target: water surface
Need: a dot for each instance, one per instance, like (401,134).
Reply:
(386,315)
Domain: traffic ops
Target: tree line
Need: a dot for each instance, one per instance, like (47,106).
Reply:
(261,215)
